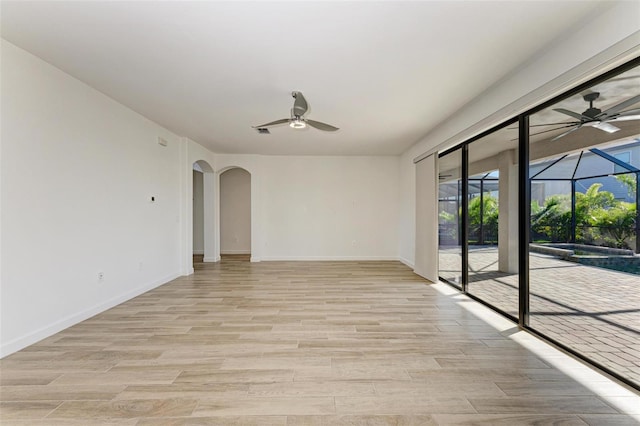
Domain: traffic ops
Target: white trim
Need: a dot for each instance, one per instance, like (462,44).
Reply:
(48,331)
(245,251)
(211,259)
(406,262)
(328,258)
(425,277)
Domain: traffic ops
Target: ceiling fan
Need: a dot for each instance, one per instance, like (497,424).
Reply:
(298,120)
(595,117)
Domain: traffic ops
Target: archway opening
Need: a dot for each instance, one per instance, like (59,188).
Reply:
(202,220)
(235,214)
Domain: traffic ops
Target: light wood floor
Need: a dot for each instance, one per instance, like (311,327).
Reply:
(297,343)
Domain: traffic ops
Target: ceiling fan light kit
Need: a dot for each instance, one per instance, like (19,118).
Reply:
(298,120)
(603,125)
(297,124)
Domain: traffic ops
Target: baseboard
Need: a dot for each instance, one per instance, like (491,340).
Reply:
(235,252)
(198,252)
(406,262)
(211,259)
(48,331)
(426,276)
(328,258)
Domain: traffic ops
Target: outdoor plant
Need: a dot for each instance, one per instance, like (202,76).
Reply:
(552,221)
(448,228)
(487,216)
(599,218)
(629,180)
(446,217)
(616,224)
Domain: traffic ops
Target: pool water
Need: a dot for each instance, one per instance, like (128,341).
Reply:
(603,257)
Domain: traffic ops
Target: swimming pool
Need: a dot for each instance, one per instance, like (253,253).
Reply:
(603,257)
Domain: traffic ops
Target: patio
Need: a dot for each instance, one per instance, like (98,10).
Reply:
(595,311)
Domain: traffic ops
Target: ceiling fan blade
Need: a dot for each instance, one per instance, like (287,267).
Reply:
(299,105)
(550,130)
(565,124)
(627,113)
(321,126)
(607,127)
(625,117)
(567,132)
(622,105)
(570,123)
(572,114)
(273,123)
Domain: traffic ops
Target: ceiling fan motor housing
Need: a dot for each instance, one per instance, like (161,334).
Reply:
(592,112)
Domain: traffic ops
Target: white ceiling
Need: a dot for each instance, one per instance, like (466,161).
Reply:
(385,72)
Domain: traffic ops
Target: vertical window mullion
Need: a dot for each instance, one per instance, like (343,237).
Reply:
(524,220)
(465,218)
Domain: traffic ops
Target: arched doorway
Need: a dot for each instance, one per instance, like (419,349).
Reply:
(198,214)
(235,214)
(203,237)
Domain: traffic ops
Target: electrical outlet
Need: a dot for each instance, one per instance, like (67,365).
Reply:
(100,276)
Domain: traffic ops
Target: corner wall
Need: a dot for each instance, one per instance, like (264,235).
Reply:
(78,173)
(321,208)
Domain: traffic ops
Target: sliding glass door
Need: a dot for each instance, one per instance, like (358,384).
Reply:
(449,219)
(493,219)
(540,220)
(584,276)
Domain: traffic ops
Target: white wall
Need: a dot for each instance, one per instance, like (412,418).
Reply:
(235,212)
(198,212)
(252,164)
(600,43)
(78,173)
(321,208)
(190,154)
(407,209)
(330,207)
(426,238)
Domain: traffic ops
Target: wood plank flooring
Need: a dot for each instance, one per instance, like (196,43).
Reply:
(303,343)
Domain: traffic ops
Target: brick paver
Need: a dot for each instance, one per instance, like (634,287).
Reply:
(594,311)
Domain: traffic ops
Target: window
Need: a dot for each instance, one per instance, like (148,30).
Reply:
(449,220)
(570,275)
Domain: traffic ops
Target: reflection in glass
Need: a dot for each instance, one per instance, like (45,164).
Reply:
(493,220)
(584,261)
(449,202)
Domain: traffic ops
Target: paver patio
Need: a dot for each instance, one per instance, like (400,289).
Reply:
(594,311)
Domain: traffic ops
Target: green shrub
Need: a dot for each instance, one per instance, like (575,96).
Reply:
(599,217)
